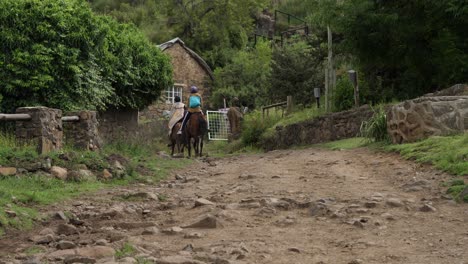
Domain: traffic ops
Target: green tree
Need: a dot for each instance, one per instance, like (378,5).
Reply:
(58,53)
(245,77)
(296,71)
(137,69)
(407,48)
(150,16)
(48,55)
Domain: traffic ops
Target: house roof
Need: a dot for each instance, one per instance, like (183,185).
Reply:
(192,53)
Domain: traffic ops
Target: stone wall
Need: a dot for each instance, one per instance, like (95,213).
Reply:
(44,128)
(117,123)
(84,133)
(455,90)
(330,127)
(427,116)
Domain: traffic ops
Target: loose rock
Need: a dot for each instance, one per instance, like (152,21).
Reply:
(207,221)
(203,202)
(7,171)
(178,260)
(58,172)
(173,230)
(395,202)
(78,259)
(427,208)
(96,252)
(193,235)
(65,229)
(150,231)
(63,244)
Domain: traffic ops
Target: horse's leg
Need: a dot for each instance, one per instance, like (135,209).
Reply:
(195,146)
(201,145)
(173,146)
(189,147)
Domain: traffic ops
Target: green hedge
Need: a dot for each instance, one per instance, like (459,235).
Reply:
(58,53)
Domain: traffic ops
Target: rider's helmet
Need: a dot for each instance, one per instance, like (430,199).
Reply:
(193,89)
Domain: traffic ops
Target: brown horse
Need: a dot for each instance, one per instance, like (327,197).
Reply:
(177,140)
(195,129)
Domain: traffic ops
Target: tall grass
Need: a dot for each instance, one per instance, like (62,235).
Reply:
(446,153)
(375,129)
(10,148)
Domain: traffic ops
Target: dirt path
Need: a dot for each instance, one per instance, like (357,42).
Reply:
(301,206)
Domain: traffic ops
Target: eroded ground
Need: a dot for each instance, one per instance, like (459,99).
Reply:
(301,206)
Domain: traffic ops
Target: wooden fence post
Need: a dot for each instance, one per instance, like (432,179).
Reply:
(289,104)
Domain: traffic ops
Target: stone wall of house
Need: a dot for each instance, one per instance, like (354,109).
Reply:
(154,111)
(427,116)
(44,128)
(83,133)
(117,124)
(329,127)
(187,72)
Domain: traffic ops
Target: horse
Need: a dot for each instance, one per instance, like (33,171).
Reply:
(196,128)
(176,139)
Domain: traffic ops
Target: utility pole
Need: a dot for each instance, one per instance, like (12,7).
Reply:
(329,73)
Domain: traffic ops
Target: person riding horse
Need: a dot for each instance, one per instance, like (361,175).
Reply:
(194,106)
(194,124)
(177,113)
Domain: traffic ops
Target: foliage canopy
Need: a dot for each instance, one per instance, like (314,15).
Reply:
(58,53)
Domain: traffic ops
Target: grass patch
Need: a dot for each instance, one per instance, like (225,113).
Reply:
(349,143)
(34,250)
(127,250)
(457,186)
(449,153)
(24,194)
(293,118)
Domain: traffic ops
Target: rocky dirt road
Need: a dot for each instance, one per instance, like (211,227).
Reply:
(301,206)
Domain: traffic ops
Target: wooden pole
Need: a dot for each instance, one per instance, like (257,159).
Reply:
(330,69)
(70,118)
(289,104)
(15,117)
(326,88)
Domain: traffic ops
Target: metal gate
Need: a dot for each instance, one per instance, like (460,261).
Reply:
(218,125)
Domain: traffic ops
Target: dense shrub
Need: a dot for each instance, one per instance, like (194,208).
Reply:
(343,95)
(57,53)
(375,129)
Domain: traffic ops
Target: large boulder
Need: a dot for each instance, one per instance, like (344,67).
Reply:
(427,116)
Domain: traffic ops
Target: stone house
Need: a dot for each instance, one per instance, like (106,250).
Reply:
(188,69)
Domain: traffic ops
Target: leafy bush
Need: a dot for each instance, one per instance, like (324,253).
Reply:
(343,95)
(245,77)
(375,129)
(58,53)
(255,125)
(296,70)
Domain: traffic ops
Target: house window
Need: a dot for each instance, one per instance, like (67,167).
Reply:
(172,92)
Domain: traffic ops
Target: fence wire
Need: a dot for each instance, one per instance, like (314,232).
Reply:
(218,125)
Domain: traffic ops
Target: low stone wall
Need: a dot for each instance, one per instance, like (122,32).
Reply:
(84,133)
(427,116)
(326,128)
(44,128)
(117,124)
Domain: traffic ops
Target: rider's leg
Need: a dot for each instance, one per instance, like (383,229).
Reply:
(184,122)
